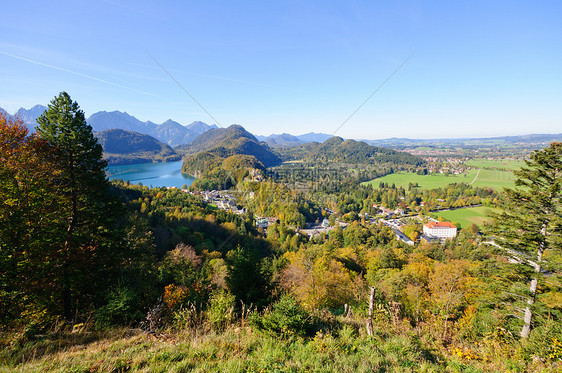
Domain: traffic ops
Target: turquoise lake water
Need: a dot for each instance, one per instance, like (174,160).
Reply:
(151,174)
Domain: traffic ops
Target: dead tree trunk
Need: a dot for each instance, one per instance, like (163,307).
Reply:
(396,310)
(526,330)
(371,306)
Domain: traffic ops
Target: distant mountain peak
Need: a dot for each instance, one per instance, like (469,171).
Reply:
(169,132)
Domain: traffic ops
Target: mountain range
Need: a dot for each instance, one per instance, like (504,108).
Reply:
(169,132)
(287,140)
(174,133)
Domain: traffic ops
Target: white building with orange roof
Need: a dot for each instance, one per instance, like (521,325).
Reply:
(440,229)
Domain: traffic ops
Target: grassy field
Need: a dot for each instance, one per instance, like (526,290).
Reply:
(424,181)
(468,216)
(496,179)
(500,164)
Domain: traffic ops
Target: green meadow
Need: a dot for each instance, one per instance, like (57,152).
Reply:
(497,174)
(424,181)
(496,179)
(467,216)
(500,164)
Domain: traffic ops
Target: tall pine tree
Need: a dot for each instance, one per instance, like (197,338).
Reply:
(531,222)
(88,215)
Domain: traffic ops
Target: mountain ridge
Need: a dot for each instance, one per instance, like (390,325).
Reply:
(226,142)
(169,132)
(127,147)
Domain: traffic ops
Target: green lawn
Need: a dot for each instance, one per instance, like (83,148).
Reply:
(468,216)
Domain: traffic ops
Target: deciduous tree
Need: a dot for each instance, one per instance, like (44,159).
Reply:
(29,209)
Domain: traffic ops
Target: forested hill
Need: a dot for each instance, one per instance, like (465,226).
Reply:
(126,147)
(233,140)
(338,150)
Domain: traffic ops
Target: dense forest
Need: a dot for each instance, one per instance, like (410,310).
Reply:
(100,276)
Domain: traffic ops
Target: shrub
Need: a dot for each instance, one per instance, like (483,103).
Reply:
(221,310)
(186,317)
(287,318)
(120,309)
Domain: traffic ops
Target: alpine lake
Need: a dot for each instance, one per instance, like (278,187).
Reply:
(157,174)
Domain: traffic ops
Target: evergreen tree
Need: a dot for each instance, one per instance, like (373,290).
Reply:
(88,212)
(530,223)
(247,278)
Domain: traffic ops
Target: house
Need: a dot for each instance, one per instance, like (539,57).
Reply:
(402,237)
(440,229)
(262,223)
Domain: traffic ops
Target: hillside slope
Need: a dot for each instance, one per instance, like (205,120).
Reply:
(338,150)
(126,147)
(226,142)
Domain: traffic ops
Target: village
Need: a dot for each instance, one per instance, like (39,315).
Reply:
(395,219)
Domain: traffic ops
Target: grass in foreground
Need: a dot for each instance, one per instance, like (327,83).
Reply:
(238,349)
(242,349)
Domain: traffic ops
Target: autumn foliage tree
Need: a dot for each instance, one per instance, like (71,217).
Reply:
(29,207)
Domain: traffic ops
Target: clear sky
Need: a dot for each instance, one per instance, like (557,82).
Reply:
(479,68)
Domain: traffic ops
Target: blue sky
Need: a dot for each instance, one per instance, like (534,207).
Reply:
(479,68)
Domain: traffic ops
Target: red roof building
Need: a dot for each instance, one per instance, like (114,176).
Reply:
(440,229)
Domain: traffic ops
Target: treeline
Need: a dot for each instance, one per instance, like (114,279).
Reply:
(450,196)
(61,232)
